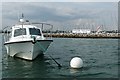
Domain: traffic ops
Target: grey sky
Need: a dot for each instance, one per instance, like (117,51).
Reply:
(60,0)
(64,15)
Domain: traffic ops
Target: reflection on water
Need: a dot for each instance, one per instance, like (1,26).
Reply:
(73,71)
(24,68)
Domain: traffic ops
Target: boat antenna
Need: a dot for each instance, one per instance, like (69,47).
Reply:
(18,17)
(22,15)
(22,21)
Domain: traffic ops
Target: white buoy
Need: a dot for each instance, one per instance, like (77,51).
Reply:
(76,62)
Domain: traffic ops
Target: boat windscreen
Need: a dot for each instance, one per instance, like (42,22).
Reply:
(34,31)
(18,32)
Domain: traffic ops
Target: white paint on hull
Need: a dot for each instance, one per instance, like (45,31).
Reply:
(27,50)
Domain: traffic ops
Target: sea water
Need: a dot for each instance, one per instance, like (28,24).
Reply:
(0,56)
(100,60)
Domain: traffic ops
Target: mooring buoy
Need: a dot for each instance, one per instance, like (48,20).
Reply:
(76,62)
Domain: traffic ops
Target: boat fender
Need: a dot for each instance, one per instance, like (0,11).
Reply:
(34,40)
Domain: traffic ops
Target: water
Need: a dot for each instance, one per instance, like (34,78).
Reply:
(100,57)
(0,56)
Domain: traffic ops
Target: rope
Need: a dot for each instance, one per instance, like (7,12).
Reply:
(48,54)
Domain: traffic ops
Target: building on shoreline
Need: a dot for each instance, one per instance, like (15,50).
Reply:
(85,31)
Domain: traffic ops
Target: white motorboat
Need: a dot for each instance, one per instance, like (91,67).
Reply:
(26,41)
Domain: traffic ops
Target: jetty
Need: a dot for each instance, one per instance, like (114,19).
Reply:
(78,35)
(91,35)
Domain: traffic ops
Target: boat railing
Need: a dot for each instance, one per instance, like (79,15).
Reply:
(7,33)
(41,24)
(46,29)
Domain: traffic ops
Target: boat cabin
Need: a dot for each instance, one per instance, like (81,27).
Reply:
(25,31)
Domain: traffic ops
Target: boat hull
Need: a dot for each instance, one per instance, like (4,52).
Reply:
(27,49)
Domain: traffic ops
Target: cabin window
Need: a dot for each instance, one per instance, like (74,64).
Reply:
(18,32)
(34,31)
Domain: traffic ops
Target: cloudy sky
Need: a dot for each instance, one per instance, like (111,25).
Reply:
(64,15)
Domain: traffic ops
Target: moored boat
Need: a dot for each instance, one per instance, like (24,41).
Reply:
(26,41)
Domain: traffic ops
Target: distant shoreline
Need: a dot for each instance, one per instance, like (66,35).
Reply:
(81,35)
(92,35)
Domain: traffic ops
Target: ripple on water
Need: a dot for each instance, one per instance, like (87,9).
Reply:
(100,60)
